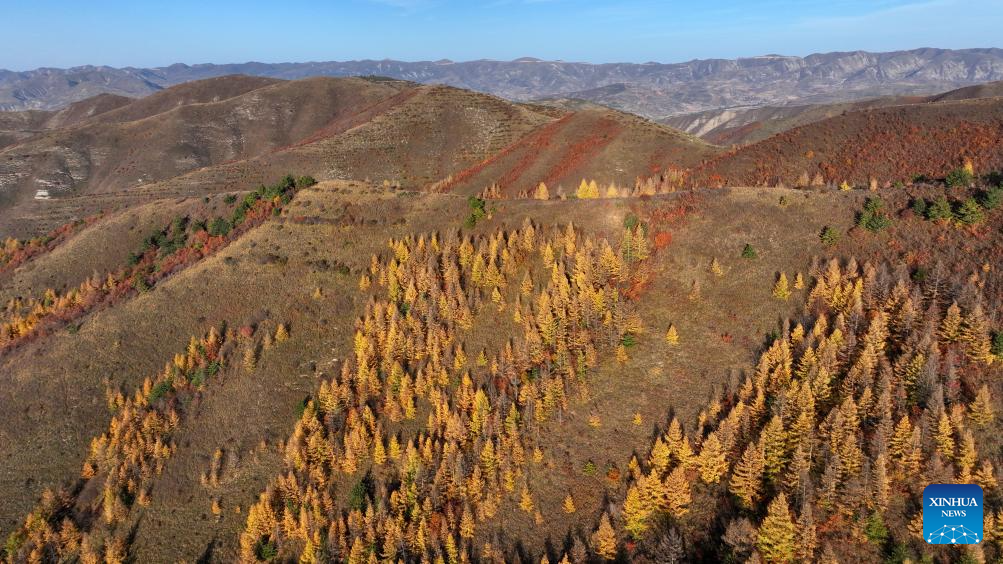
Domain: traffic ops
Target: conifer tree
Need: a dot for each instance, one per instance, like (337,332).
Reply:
(950,327)
(781,290)
(986,477)
(526,500)
(569,504)
(981,409)
(621,354)
(775,540)
(467,523)
(711,460)
(807,539)
(672,336)
(541,192)
(604,539)
(746,482)
(715,268)
(882,486)
(250,357)
(773,442)
(281,333)
(945,437)
(636,512)
(975,335)
(677,496)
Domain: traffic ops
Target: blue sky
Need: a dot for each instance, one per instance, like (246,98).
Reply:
(61,33)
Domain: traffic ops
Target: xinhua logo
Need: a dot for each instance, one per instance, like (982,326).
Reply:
(952,514)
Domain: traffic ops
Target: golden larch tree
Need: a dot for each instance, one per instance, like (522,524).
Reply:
(775,540)
(781,290)
(672,336)
(604,539)
(711,460)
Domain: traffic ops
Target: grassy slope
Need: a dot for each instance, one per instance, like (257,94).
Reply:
(106,244)
(271,274)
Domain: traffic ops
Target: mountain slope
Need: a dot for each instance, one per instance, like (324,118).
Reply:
(740,126)
(523,419)
(601,144)
(226,133)
(653,90)
(888,144)
(180,129)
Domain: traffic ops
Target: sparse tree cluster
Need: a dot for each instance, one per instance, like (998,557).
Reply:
(90,521)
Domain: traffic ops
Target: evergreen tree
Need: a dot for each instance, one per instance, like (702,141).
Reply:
(939,210)
(970,212)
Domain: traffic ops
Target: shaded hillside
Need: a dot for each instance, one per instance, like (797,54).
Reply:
(888,144)
(988,90)
(19,126)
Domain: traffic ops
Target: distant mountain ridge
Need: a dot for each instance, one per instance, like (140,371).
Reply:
(653,90)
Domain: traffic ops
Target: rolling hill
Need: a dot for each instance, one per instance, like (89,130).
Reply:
(208,355)
(224,133)
(889,144)
(653,90)
(741,126)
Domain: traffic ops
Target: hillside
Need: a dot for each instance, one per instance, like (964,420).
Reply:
(511,388)
(225,133)
(742,126)
(610,146)
(653,90)
(891,144)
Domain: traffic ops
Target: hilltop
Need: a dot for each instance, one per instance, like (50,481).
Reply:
(223,133)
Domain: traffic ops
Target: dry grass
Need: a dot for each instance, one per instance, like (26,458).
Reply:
(270,275)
